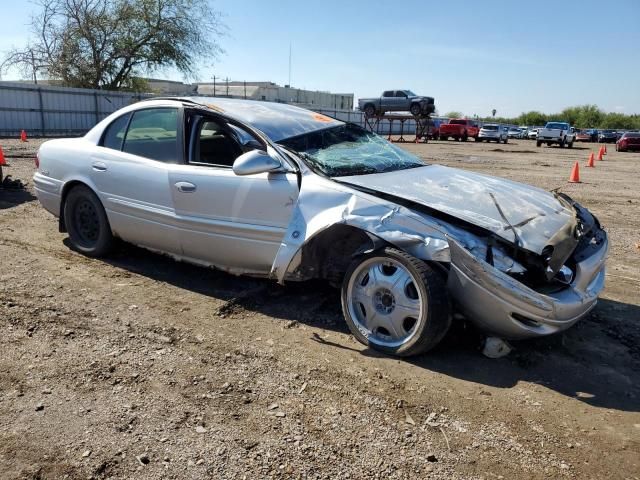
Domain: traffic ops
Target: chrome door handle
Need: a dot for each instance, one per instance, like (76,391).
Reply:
(185,187)
(99,166)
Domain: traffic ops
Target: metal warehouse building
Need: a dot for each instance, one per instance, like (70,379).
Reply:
(271,92)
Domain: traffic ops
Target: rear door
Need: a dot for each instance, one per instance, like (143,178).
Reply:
(130,168)
(230,221)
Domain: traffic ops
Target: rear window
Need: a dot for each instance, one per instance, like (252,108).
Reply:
(114,134)
(458,122)
(632,135)
(490,127)
(556,126)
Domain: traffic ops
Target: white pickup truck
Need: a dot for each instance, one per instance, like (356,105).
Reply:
(557,132)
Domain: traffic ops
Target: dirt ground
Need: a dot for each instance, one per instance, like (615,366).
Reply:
(139,367)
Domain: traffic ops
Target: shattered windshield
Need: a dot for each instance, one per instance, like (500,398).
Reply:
(350,150)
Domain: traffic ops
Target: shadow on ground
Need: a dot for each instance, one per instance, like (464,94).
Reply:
(10,198)
(597,361)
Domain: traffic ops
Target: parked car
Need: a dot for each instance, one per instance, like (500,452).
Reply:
(607,136)
(593,133)
(583,136)
(533,133)
(524,132)
(514,132)
(397,101)
(493,132)
(272,190)
(556,132)
(459,129)
(628,141)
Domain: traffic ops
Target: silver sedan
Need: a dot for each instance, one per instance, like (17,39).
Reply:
(276,191)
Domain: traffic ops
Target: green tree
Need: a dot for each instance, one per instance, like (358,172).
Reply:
(532,118)
(618,120)
(453,114)
(109,43)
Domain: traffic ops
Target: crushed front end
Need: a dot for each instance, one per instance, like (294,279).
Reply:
(545,294)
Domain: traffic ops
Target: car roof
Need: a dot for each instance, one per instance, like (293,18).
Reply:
(278,121)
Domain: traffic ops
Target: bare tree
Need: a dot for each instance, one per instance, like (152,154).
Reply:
(110,43)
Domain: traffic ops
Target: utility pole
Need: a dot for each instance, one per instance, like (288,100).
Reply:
(214,85)
(245,89)
(227,80)
(289,64)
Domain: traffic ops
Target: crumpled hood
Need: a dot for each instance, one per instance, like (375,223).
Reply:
(536,215)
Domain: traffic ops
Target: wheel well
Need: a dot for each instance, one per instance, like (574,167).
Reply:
(62,227)
(328,254)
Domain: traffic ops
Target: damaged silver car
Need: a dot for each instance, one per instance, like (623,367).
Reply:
(276,191)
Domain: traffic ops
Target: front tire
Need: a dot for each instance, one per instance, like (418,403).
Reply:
(538,144)
(415,109)
(87,223)
(395,303)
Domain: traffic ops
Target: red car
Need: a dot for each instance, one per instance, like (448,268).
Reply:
(628,141)
(459,129)
(583,136)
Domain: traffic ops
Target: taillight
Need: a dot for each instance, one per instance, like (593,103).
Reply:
(37,161)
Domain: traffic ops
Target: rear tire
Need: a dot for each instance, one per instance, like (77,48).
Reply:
(506,140)
(87,223)
(465,137)
(538,144)
(369,110)
(395,303)
(415,109)
(570,145)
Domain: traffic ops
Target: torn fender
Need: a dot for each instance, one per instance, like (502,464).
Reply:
(323,203)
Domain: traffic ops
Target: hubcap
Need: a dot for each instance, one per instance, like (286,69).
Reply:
(385,302)
(87,222)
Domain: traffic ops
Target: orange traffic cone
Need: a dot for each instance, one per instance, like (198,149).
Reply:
(2,160)
(23,136)
(600,153)
(575,174)
(591,162)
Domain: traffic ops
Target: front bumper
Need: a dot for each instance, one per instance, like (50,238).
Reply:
(501,305)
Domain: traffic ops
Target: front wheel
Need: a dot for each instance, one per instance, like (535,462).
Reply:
(538,144)
(465,137)
(395,303)
(506,140)
(570,145)
(87,223)
(415,109)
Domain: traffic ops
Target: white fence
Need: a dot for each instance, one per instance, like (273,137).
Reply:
(48,111)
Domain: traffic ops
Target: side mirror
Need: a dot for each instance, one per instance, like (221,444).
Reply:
(255,161)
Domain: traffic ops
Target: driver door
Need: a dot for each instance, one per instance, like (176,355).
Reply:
(230,221)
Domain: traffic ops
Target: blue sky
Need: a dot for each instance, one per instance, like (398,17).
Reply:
(471,56)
